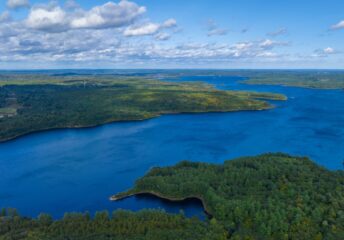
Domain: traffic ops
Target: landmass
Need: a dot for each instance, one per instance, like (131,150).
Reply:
(319,79)
(31,103)
(121,225)
(272,196)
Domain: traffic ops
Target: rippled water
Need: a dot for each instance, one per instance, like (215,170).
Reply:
(77,170)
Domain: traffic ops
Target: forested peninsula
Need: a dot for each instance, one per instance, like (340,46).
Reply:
(272,196)
(35,103)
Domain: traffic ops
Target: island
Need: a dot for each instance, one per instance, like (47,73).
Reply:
(31,103)
(271,196)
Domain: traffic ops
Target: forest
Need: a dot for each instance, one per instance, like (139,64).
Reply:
(319,79)
(29,104)
(272,196)
(120,225)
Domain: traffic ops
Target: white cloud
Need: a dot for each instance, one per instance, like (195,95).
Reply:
(51,19)
(214,30)
(219,32)
(14,4)
(149,28)
(169,23)
(278,32)
(324,52)
(338,26)
(5,16)
(329,50)
(268,44)
(162,36)
(108,15)
(100,37)
(71,4)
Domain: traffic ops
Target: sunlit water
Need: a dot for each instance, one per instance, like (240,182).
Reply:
(77,170)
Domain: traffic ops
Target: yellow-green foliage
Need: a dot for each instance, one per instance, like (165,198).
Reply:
(309,79)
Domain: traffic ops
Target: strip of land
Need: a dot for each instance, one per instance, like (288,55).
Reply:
(29,104)
(307,79)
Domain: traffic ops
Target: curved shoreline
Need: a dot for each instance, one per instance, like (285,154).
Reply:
(171,199)
(18,136)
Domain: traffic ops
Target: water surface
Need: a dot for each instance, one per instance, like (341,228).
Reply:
(78,169)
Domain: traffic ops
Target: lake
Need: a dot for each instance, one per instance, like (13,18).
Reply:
(79,169)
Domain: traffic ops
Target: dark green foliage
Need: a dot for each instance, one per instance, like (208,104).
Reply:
(40,106)
(123,225)
(272,196)
(310,79)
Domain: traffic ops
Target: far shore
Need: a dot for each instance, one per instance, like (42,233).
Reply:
(15,137)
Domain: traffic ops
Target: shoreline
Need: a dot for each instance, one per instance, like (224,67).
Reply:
(295,86)
(9,139)
(115,198)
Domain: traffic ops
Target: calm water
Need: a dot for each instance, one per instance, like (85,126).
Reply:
(77,170)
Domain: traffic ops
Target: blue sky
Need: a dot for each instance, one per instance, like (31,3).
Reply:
(171,34)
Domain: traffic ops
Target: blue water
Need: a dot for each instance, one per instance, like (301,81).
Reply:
(77,170)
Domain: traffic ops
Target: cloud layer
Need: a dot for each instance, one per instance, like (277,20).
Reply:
(53,18)
(338,26)
(14,4)
(121,33)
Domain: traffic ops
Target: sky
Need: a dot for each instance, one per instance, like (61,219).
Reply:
(223,34)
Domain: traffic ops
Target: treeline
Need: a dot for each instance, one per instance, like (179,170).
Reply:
(272,196)
(121,225)
(92,102)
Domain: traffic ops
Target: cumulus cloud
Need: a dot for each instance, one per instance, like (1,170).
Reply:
(5,16)
(71,4)
(14,4)
(214,30)
(278,32)
(108,15)
(268,44)
(53,18)
(169,23)
(162,36)
(149,28)
(324,52)
(339,25)
(329,50)
(49,18)
(101,34)
(146,29)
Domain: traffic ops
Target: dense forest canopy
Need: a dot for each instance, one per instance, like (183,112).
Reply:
(309,79)
(272,196)
(36,104)
(121,225)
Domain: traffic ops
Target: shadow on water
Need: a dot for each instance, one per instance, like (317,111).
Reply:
(191,207)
